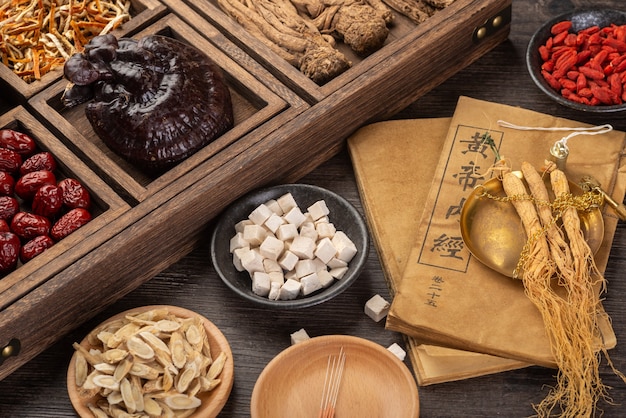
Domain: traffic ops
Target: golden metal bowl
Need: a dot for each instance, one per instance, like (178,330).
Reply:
(493,231)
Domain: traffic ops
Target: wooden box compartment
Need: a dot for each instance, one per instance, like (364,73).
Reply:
(142,12)
(447,41)
(253,105)
(106,206)
(307,125)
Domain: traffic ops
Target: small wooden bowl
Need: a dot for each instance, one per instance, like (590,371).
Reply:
(212,401)
(374,383)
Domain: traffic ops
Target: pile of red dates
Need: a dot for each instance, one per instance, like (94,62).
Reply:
(36,209)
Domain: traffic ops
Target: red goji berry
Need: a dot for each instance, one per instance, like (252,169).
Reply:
(567,83)
(553,82)
(615,43)
(562,26)
(591,73)
(581,82)
(559,38)
(590,30)
(602,94)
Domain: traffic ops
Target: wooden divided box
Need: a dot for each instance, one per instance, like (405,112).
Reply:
(285,126)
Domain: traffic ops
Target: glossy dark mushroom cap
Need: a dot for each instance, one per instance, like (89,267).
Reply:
(154,101)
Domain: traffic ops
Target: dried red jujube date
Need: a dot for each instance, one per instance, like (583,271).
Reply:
(9,206)
(17,141)
(48,201)
(34,247)
(69,223)
(28,225)
(27,185)
(10,161)
(4,226)
(7,184)
(75,195)
(40,161)
(9,251)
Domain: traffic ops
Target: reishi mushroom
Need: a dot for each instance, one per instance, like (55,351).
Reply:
(154,101)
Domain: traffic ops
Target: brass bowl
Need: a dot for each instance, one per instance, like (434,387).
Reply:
(493,231)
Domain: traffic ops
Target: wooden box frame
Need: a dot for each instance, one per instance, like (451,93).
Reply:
(309,129)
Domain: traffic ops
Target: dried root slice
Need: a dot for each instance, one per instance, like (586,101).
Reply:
(160,366)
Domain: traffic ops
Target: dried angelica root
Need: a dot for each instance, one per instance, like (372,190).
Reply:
(278,25)
(361,25)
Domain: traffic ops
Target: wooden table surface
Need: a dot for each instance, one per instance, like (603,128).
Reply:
(257,335)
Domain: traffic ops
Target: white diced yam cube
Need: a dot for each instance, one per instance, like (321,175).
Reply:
(287,232)
(307,229)
(237,255)
(237,241)
(261,283)
(299,336)
(274,207)
(290,290)
(239,226)
(251,261)
(326,279)
(345,247)
(325,250)
(260,214)
(318,209)
(277,277)
(397,351)
(294,216)
(335,263)
(338,272)
(274,222)
(323,219)
(325,229)
(303,247)
(308,218)
(254,234)
(305,267)
(270,266)
(274,290)
(271,247)
(287,202)
(310,284)
(377,307)
(288,260)
(319,264)
(291,274)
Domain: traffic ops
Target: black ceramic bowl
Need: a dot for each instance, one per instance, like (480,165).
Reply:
(581,19)
(343,215)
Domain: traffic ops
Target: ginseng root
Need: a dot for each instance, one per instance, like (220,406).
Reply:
(569,306)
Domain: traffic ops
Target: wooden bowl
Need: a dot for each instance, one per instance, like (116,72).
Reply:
(212,401)
(375,383)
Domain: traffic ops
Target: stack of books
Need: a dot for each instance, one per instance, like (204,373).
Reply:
(462,319)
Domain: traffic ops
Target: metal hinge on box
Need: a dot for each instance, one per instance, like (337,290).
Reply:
(492,25)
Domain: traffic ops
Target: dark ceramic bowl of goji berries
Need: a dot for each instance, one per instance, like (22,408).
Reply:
(578,59)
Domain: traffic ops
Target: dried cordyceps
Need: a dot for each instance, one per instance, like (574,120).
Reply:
(39,35)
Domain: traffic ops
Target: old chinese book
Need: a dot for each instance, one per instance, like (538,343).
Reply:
(393,206)
(446,296)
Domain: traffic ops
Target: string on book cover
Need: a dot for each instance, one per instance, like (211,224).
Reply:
(560,151)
